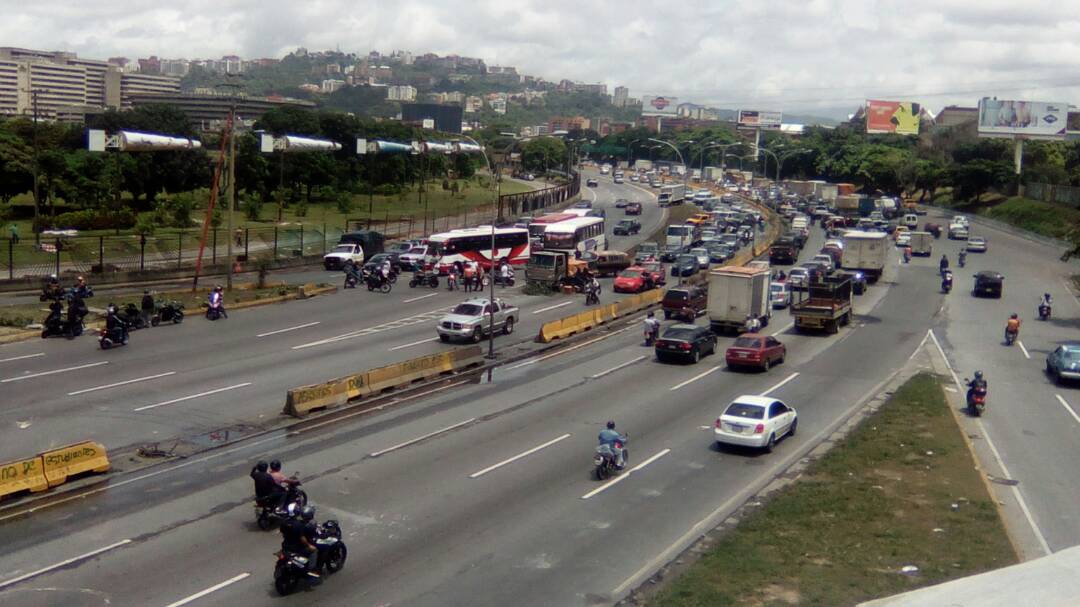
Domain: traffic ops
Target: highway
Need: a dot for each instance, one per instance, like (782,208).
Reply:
(481,493)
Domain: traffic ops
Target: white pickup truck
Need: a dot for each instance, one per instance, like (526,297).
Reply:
(471,320)
(335,259)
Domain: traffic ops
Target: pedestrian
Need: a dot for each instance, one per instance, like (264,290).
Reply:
(470,276)
(147,306)
(238,234)
(14,230)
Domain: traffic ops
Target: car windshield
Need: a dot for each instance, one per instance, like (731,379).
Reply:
(777,288)
(746,342)
(630,274)
(679,295)
(468,309)
(699,251)
(648,246)
(343,248)
(687,259)
(1070,353)
(679,334)
(745,411)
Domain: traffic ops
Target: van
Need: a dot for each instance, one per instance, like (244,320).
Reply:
(609,263)
(911,220)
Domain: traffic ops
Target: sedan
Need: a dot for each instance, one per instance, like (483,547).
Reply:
(988,283)
(631,280)
(755,421)
(621,203)
(753,350)
(719,253)
(685,265)
(656,269)
(592,183)
(780,294)
(633,208)
(626,227)
(798,278)
(688,342)
(976,244)
(634,177)
(702,255)
(1064,361)
(903,240)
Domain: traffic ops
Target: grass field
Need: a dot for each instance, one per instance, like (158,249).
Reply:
(901,490)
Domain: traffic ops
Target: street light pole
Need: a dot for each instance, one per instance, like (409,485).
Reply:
(677,152)
(491,271)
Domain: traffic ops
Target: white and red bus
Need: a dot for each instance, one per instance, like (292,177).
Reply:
(474,244)
(540,224)
(578,234)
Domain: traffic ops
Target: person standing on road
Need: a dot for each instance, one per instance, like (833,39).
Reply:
(147,306)
(470,275)
(14,231)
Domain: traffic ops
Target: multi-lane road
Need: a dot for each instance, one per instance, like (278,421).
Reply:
(481,493)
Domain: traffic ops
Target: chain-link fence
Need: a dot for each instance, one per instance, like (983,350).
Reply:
(98,255)
(1060,194)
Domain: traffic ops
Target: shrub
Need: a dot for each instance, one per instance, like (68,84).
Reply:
(388,189)
(252,208)
(344,202)
(300,209)
(90,219)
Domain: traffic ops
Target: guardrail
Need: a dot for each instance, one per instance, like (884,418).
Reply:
(372,382)
(52,468)
(527,202)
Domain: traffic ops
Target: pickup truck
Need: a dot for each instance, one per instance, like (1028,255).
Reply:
(783,251)
(342,253)
(824,304)
(471,320)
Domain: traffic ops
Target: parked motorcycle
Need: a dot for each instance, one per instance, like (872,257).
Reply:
(131,314)
(167,311)
(420,277)
(117,337)
(290,571)
(377,282)
(604,461)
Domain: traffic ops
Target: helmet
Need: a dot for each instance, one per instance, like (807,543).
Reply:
(275,465)
(1013,315)
(978,375)
(261,466)
(611,425)
(651,315)
(307,513)
(1046,295)
(217,288)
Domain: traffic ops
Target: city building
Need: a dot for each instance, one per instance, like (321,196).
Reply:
(597,89)
(562,123)
(502,70)
(954,115)
(121,86)
(497,102)
(401,93)
(621,95)
(474,104)
(331,85)
(447,118)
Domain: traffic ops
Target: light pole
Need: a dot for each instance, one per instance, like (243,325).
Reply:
(491,271)
(677,152)
(780,160)
(629,149)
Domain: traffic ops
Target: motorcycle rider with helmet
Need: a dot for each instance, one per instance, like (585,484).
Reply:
(608,436)
(115,327)
(979,381)
(267,490)
(1012,326)
(1045,305)
(298,534)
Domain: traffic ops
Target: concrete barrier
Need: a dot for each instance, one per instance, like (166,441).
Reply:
(22,475)
(87,456)
(335,392)
(584,321)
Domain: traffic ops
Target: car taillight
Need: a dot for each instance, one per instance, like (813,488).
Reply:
(718,422)
(758,429)
(685,346)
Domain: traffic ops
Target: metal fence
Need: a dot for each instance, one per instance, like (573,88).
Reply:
(98,255)
(1060,194)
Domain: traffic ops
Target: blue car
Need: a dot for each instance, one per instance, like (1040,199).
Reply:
(1064,361)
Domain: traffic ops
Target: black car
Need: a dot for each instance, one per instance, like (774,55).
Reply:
(626,227)
(688,342)
(670,252)
(376,260)
(633,208)
(988,283)
(685,265)
(621,203)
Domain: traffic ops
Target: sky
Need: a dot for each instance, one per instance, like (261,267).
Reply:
(820,57)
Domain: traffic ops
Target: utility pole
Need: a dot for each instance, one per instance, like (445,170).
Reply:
(232,195)
(36,166)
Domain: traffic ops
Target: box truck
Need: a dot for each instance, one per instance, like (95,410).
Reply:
(736,292)
(921,243)
(865,252)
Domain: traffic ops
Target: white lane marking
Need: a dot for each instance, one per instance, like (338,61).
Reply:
(415,343)
(53,372)
(378,408)
(214,588)
(782,329)
(419,298)
(7,360)
(565,303)
(121,383)
(694,378)
(193,396)
(1023,349)
(997,455)
(1068,408)
(779,385)
(394,324)
(619,366)
(518,456)
(570,349)
(76,559)
(413,441)
(623,477)
(303,326)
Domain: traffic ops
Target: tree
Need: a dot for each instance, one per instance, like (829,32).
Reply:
(543,153)
(973,178)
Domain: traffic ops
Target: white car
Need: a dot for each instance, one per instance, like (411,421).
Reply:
(755,421)
(779,294)
(904,239)
(976,244)
(413,258)
(342,253)
(702,255)
(472,319)
(961,220)
(958,231)
(798,277)
(825,259)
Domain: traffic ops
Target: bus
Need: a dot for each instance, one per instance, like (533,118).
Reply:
(474,244)
(581,234)
(538,225)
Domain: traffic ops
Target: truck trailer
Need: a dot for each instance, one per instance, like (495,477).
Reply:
(865,252)
(736,292)
(824,305)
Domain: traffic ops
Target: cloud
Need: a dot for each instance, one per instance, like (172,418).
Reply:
(795,55)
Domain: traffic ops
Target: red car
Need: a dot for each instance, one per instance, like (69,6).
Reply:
(631,280)
(633,208)
(657,269)
(754,350)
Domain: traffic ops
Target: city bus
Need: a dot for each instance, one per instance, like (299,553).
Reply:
(580,234)
(540,224)
(474,244)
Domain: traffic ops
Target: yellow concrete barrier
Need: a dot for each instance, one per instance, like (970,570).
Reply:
(305,399)
(22,475)
(87,456)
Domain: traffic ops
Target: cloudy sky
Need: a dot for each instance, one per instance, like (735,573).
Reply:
(792,55)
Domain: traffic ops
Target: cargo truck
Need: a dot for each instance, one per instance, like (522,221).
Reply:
(865,252)
(867,206)
(672,194)
(921,243)
(736,292)
(824,305)
(847,205)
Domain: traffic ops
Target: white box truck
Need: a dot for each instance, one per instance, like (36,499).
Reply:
(865,252)
(736,292)
(672,194)
(922,243)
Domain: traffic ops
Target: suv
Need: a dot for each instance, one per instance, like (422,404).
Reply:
(626,227)
(470,319)
(646,250)
(685,303)
(988,283)
(633,208)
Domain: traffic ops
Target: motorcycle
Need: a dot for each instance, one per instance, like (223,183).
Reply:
(651,335)
(424,278)
(592,297)
(961,259)
(1044,311)
(171,311)
(375,281)
(267,514)
(504,281)
(604,460)
(290,571)
(451,281)
(215,311)
(118,336)
(1010,337)
(946,284)
(350,281)
(131,314)
(976,400)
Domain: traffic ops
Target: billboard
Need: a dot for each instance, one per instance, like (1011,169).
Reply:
(761,120)
(1024,119)
(899,117)
(660,106)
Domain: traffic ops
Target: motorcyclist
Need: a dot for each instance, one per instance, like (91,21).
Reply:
(608,436)
(76,311)
(943,265)
(962,257)
(217,300)
(81,288)
(650,283)
(592,290)
(1045,304)
(56,310)
(279,477)
(115,327)
(977,382)
(52,288)
(652,327)
(506,273)
(469,277)
(352,272)
(298,537)
(267,491)
(753,325)
(1012,326)
(946,281)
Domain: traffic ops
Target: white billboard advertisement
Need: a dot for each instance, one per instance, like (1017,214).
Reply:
(660,106)
(759,119)
(1022,119)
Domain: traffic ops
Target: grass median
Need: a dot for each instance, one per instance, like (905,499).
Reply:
(900,491)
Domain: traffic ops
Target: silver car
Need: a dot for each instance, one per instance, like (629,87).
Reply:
(976,244)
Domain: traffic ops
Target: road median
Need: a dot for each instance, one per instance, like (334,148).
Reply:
(52,468)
